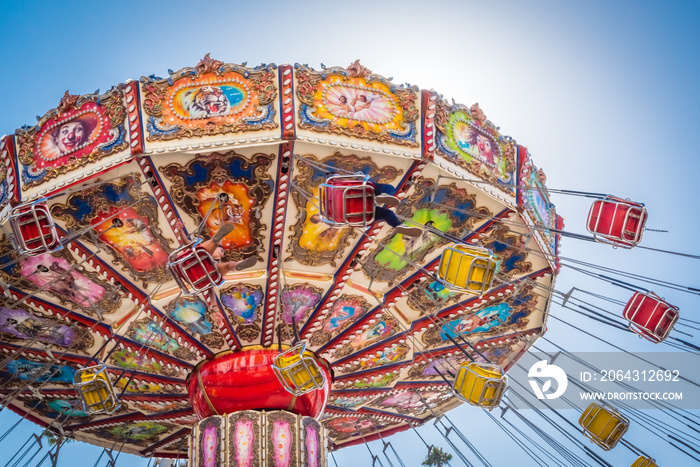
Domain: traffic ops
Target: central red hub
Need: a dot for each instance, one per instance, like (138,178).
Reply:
(244,380)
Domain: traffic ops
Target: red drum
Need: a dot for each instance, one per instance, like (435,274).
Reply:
(245,380)
(33,229)
(650,316)
(194,269)
(347,200)
(617,222)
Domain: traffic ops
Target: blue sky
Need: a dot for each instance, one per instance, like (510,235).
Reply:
(604,94)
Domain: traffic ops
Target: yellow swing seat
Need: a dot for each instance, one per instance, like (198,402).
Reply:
(468,268)
(298,371)
(603,425)
(480,384)
(644,462)
(95,390)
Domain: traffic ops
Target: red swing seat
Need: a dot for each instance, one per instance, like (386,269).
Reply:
(194,269)
(347,200)
(650,316)
(33,229)
(617,221)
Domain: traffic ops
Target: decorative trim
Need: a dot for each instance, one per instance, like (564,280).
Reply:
(272,292)
(133,110)
(287,101)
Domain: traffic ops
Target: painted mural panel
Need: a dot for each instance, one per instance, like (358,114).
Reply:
(149,333)
(125,221)
(21,370)
(468,139)
(355,102)
(346,310)
(312,453)
(315,242)
(282,433)
(151,407)
(243,304)
(413,401)
(382,380)
(18,325)
(59,276)
(298,301)
(143,433)
(378,329)
(495,317)
(345,427)
(142,361)
(393,353)
(427,370)
(350,402)
(510,250)
(240,186)
(443,207)
(194,315)
(427,296)
(209,99)
(64,410)
(139,387)
(244,438)
(535,200)
(81,130)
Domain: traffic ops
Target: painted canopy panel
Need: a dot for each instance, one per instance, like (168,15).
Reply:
(138,175)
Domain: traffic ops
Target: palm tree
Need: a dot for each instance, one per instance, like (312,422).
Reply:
(437,457)
(55,441)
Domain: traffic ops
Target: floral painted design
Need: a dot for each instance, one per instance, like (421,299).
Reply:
(244,442)
(282,443)
(243,302)
(313,442)
(210,444)
(298,301)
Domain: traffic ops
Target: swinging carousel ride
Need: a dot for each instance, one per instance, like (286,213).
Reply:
(252,266)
